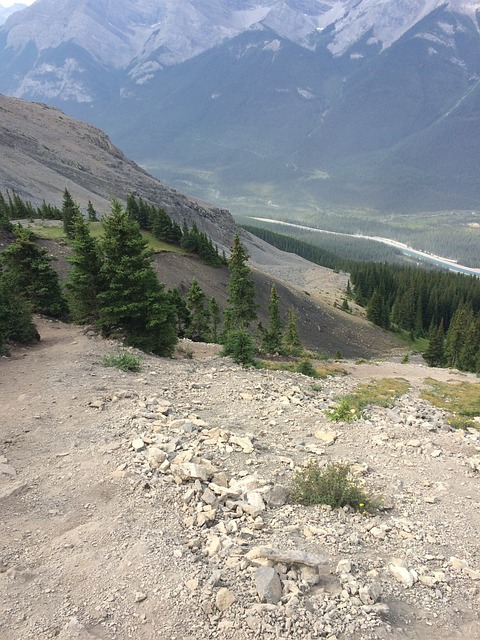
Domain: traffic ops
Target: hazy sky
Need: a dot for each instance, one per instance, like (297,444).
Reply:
(8,3)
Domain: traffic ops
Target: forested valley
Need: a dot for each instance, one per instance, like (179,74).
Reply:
(112,286)
(438,305)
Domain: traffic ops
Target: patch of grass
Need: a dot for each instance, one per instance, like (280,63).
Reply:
(381,393)
(96,229)
(463,423)
(304,366)
(124,360)
(50,233)
(462,398)
(331,485)
(417,345)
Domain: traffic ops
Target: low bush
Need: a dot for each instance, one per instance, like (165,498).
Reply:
(125,361)
(331,485)
(343,412)
(306,367)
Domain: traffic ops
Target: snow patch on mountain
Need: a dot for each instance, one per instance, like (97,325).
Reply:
(467,7)
(274,45)
(305,93)
(45,80)
(387,21)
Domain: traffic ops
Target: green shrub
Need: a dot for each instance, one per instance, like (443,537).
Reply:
(240,345)
(125,361)
(343,412)
(331,485)
(306,367)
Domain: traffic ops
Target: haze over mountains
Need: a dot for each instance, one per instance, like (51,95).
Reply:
(356,103)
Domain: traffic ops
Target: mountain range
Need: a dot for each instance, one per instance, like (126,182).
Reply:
(43,151)
(367,103)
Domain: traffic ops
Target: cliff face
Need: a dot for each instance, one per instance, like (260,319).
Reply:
(43,151)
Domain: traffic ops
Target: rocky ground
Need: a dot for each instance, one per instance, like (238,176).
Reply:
(155,504)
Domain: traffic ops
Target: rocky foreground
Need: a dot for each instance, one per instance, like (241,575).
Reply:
(155,505)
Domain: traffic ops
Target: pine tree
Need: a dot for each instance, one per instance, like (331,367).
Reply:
(133,302)
(272,340)
(240,345)
(434,355)
(467,359)
(378,310)
(91,213)
(291,338)
(215,319)
(181,311)
(27,270)
(241,308)
(16,321)
(70,212)
(455,336)
(199,328)
(84,282)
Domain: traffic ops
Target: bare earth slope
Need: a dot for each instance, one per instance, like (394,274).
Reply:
(43,151)
(112,528)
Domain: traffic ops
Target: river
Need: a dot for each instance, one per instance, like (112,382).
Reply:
(452,265)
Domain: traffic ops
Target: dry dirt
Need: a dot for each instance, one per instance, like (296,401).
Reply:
(92,546)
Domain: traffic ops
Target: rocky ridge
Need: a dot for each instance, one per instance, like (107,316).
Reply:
(164,506)
(45,151)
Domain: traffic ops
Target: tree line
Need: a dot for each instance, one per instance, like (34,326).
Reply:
(336,252)
(150,218)
(112,285)
(439,305)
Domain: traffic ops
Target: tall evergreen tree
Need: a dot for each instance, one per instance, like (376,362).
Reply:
(70,212)
(272,340)
(468,356)
(28,271)
(181,311)
(91,213)
(84,281)
(456,334)
(434,355)
(291,338)
(215,319)
(241,308)
(16,321)
(376,311)
(133,302)
(199,327)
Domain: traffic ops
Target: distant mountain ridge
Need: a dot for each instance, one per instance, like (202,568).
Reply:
(360,102)
(43,151)
(5,12)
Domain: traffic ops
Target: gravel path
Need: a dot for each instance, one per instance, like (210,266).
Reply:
(154,505)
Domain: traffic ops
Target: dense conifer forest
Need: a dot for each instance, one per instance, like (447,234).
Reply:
(435,304)
(112,285)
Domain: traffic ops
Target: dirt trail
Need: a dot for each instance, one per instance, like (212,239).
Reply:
(89,549)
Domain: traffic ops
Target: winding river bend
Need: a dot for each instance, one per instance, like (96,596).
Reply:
(452,265)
